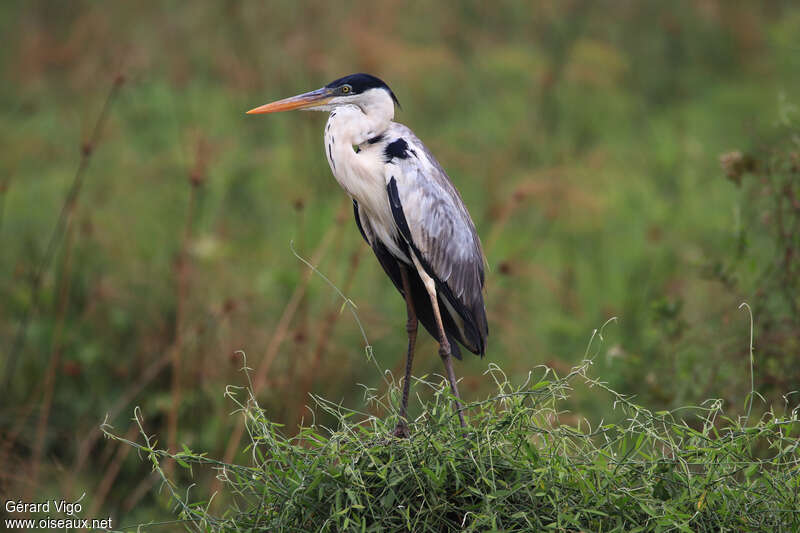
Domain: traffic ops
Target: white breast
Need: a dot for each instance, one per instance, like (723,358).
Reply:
(361,175)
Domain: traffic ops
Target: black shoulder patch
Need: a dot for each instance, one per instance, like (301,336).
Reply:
(398,148)
(376,139)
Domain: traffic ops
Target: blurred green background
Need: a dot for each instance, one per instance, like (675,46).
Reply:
(584,137)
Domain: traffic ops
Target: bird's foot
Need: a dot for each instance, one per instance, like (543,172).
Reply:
(401,430)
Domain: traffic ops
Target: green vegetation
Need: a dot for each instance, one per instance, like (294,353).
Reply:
(144,246)
(516,468)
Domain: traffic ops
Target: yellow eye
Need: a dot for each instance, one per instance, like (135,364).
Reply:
(345,89)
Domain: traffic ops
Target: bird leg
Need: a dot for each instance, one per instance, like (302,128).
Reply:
(401,430)
(447,359)
(444,344)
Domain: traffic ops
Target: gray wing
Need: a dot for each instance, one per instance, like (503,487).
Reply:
(419,296)
(432,218)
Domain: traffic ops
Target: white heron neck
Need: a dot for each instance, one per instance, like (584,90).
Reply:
(352,149)
(379,113)
(354,146)
(361,120)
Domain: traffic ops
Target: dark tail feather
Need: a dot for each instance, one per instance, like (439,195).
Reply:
(455,349)
(421,300)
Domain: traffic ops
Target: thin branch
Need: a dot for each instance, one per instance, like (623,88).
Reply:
(67,209)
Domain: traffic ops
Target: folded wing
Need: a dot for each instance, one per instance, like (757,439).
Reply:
(437,228)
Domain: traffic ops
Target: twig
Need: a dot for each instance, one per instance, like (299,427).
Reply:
(53,364)
(139,492)
(325,334)
(752,362)
(63,221)
(111,473)
(277,339)
(149,374)
(177,346)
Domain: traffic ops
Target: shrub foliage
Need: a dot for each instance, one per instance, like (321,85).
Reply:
(523,463)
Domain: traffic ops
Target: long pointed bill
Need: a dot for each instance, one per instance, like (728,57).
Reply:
(301,101)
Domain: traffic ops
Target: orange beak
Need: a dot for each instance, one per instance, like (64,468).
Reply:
(301,101)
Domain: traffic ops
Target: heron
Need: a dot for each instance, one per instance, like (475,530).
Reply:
(410,214)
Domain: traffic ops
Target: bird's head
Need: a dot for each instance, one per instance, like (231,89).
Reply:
(362,90)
